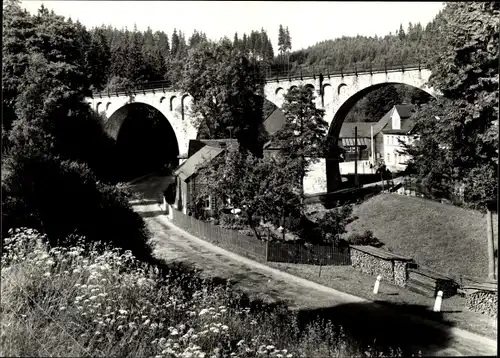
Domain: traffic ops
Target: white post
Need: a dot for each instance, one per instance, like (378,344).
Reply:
(377,284)
(439,299)
(372,147)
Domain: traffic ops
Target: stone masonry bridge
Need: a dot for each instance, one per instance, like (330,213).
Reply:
(335,93)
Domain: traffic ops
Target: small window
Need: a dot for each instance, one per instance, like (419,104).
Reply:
(388,157)
(206,203)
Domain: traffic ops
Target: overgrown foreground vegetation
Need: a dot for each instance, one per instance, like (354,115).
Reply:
(98,301)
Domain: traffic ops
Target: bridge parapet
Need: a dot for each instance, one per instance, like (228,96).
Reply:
(298,73)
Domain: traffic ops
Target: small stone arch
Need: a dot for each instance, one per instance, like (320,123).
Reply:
(279,89)
(292,87)
(107,105)
(327,89)
(97,106)
(162,98)
(340,87)
(182,105)
(172,102)
(309,86)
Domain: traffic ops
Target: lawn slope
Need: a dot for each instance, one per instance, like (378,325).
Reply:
(445,238)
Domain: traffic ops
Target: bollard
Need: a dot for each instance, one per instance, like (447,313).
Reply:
(439,299)
(377,284)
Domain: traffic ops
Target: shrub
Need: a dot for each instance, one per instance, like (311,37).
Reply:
(366,238)
(75,301)
(334,222)
(61,197)
(233,222)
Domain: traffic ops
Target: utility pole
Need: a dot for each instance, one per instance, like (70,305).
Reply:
(356,156)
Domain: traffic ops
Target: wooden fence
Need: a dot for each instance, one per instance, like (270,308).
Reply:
(228,239)
(312,254)
(263,251)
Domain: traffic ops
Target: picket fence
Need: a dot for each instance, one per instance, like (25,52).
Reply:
(259,250)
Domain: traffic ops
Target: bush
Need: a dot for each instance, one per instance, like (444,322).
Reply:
(233,222)
(62,197)
(334,222)
(109,304)
(366,238)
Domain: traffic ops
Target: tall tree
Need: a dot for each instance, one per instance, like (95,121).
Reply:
(236,41)
(302,138)
(175,44)
(136,66)
(288,45)
(281,41)
(99,60)
(227,90)
(458,133)
(161,41)
(401,33)
(18,25)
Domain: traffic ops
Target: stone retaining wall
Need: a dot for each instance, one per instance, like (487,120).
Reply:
(391,270)
(485,302)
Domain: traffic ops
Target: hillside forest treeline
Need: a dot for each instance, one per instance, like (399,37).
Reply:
(121,56)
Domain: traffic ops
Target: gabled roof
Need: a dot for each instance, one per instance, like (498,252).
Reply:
(405,112)
(275,121)
(201,157)
(383,121)
(196,144)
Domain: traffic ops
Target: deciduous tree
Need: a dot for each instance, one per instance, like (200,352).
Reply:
(227,90)
(458,133)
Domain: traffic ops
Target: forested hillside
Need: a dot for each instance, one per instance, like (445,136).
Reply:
(404,46)
(122,57)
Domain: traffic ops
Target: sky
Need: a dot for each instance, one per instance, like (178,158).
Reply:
(308,22)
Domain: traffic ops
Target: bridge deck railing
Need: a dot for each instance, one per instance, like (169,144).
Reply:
(297,72)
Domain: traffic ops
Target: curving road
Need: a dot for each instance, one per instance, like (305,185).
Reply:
(363,319)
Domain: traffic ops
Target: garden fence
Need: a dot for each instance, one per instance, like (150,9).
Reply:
(259,250)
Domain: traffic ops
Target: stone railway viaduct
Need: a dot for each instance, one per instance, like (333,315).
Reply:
(336,94)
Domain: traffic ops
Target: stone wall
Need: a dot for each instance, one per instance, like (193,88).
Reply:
(391,270)
(400,273)
(485,302)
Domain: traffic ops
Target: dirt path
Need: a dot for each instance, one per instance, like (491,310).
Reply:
(261,281)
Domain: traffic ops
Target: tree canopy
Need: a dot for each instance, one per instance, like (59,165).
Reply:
(227,90)
(458,133)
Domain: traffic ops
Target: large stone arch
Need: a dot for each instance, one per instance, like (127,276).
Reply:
(145,139)
(177,115)
(332,165)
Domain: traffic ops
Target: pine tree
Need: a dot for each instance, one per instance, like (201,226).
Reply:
(401,33)
(161,41)
(175,44)
(281,42)
(236,42)
(281,39)
(288,40)
(302,138)
(99,58)
(136,69)
(288,46)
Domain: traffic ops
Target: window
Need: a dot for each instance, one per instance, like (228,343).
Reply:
(388,157)
(206,203)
